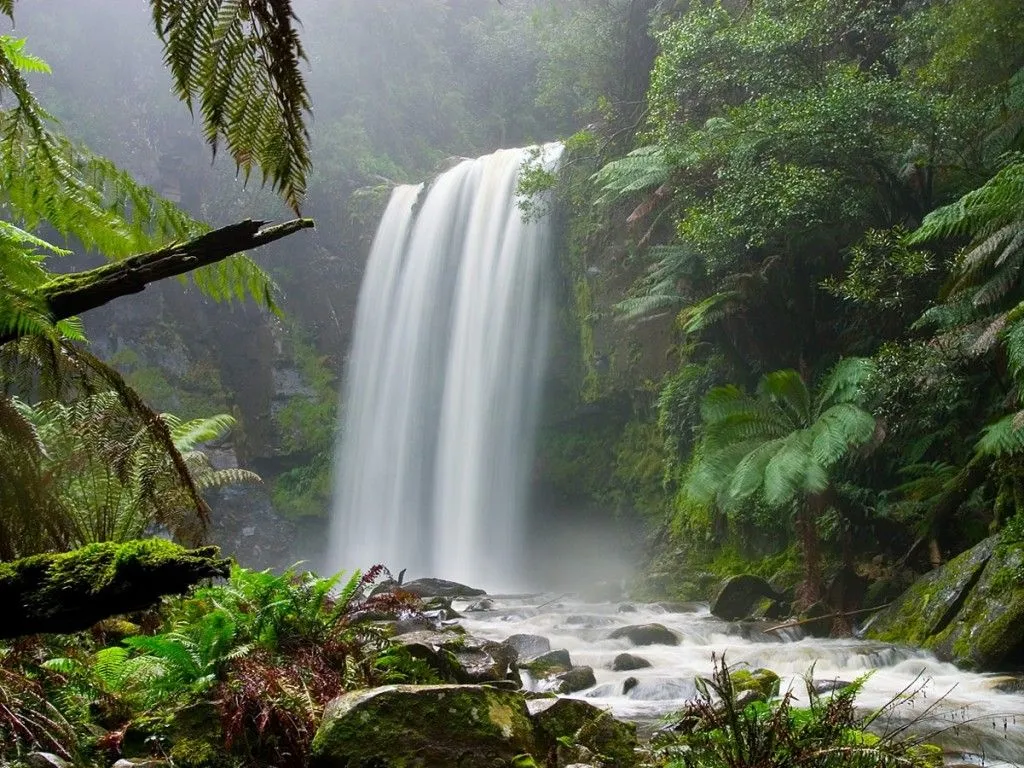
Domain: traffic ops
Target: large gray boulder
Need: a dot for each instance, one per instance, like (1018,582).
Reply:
(529,646)
(423,726)
(646,634)
(739,596)
(440,588)
(969,611)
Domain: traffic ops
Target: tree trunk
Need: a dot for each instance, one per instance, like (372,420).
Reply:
(69,295)
(807,530)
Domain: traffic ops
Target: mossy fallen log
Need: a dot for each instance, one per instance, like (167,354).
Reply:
(71,591)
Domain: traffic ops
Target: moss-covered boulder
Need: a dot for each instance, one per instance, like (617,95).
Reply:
(580,724)
(429,726)
(71,591)
(740,595)
(551,663)
(461,658)
(986,632)
(763,682)
(969,611)
(440,588)
(932,601)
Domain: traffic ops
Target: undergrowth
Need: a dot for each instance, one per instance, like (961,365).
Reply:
(241,670)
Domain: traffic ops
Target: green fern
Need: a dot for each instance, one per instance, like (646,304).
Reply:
(44,177)
(781,443)
(642,169)
(239,63)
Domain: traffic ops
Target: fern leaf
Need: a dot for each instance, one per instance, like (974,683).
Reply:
(641,169)
(240,62)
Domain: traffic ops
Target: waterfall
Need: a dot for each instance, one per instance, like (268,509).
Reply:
(443,385)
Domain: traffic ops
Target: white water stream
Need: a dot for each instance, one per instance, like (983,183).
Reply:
(438,425)
(974,722)
(443,385)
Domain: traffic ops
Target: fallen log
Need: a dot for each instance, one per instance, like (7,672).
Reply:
(68,295)
(71,591)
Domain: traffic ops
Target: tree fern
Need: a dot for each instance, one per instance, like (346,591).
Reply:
(44,177)
(781,443)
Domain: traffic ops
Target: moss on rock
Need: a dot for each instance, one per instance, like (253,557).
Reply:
(761,681)
(932,602)
(410,726)
(584,725)
(985,633)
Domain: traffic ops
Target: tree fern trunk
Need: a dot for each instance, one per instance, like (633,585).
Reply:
(807,530)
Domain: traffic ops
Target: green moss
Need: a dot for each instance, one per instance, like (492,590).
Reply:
(925,609)
(763,681)
(73,590)
(90,569)
(584,725)
(198,753)
(439,725)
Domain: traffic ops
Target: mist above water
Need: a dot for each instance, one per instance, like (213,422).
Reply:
(443,386)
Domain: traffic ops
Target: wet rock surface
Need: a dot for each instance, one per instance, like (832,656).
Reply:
(529,646)
(739,597)
(442,725)
(461,658)
(646,634)
(625,662)
(969,611)
(582,724)
(440,588)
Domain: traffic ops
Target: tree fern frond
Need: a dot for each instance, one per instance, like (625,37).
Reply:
(641,169)
(1002,437)
(187,435)
(218,478)
(748,476)
(1013,338)
(981,212)
(240,62)
(641,306)
(837,430)
(708,312)
(844,383)
(792,469)
(987,339)
(789,392)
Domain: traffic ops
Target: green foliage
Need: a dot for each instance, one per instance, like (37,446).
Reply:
(783,442)
(239,61)
(241,670)
(642,169)
(718,731)
(107,469)
(881,270)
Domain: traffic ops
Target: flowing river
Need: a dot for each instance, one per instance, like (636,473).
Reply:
(963,711)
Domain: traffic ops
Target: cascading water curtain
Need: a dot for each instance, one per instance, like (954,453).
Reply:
(443,386)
